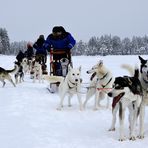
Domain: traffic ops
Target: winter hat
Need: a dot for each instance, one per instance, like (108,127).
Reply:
(62,29)
(56,29)
(41,36)
(29,44)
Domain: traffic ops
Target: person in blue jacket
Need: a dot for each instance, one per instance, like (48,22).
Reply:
(59,39)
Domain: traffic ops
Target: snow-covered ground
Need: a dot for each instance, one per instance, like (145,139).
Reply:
(29,119)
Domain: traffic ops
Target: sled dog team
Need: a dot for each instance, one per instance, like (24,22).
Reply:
(127,91)
(20,69)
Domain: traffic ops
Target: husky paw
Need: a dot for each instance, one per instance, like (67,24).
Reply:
(112,129)
(122,139)
(132,138)
(141,136)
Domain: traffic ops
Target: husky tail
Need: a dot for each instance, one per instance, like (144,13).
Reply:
(53,79)
(129,68)
(14,70)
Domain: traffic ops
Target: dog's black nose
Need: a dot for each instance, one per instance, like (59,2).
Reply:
(87,72)
(76,80)
(110,94)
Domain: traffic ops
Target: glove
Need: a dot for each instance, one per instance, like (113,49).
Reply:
(70,46)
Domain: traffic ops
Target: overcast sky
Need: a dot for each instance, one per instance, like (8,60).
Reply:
(27,19)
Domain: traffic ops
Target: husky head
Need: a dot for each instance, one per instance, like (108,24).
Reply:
(120,89)
(144,68)
(37,66)
(125,86)
(99,69)
(74,74)
(24,61)
(120,85)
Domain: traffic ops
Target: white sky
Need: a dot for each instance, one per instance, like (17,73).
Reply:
(27,19)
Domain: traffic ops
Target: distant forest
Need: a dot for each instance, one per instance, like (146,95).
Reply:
(103,45)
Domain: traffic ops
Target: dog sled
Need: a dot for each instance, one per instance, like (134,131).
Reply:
(59,61)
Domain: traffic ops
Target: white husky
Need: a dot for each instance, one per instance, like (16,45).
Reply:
(37,72)
(100,85)
(25,65)
(71,84)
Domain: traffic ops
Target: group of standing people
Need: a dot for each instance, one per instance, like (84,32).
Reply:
(58,39)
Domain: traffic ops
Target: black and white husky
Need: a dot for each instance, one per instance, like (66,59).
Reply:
(19,75)
(71,84)
(100,84)
(127,93)
(143,77)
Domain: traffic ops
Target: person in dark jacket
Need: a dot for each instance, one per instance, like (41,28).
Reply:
(29,53)
(59,39)
(20,56)
(41,52)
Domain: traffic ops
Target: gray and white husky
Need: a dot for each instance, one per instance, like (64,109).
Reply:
(71,84)
(5,75)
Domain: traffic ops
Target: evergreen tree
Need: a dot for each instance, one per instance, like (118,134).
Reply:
(4,41)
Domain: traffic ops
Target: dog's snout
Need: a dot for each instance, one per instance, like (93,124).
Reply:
(76,80)
(87,72)
(110,94)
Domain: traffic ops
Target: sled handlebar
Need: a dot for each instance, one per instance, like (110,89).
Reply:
(59,51)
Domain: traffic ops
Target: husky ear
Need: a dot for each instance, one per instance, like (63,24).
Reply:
(69,67)
(100,63)
(142,60)
(80,68)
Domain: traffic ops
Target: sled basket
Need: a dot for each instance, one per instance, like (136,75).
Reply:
(59,61)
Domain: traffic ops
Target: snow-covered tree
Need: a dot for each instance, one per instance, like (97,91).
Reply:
(4,41)
(16,46)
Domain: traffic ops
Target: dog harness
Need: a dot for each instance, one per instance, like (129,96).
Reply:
(104,76)
(103,86)
(74,85)
(107,82)
(71,83)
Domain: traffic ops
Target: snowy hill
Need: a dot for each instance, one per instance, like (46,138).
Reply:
(29,119)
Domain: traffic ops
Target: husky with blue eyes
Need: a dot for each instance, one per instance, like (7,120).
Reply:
(71,84)
(127,93)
